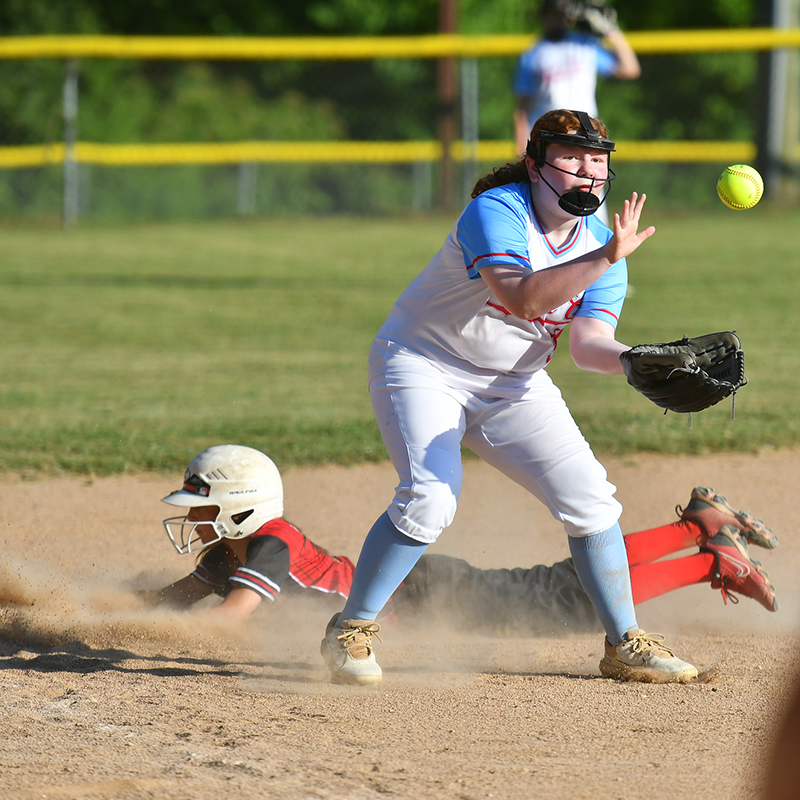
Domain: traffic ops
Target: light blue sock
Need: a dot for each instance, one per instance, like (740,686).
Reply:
(602,566)
(387,557)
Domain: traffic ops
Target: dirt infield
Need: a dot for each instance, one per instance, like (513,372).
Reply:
(103,701)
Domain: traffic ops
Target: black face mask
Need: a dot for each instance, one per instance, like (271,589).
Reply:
(578,202)
(575,202)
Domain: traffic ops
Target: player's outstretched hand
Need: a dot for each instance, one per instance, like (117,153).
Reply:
(627,236)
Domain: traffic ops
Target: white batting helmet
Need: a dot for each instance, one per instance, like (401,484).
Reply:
(242,482)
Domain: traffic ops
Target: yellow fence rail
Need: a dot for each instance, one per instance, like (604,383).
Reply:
(126,155)
(243,48)
(433,46)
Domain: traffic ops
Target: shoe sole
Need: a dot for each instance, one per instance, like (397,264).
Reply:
(753,529)
(622,672)
(353,680)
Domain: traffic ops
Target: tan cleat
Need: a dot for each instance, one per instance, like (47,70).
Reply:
(643,657)
(347,650)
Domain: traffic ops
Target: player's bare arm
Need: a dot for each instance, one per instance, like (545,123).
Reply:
(529,295)
(593,346)
(181,594)
(522,127)
(237,606)
(628,67)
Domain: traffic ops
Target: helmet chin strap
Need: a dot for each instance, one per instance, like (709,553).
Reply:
(578,202)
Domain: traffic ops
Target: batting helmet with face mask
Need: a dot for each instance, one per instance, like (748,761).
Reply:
(243,483)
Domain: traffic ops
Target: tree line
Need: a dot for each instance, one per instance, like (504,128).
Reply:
(695,96)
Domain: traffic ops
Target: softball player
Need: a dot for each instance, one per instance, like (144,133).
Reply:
(249,553)
(234,497)
(562,67)
(461,359)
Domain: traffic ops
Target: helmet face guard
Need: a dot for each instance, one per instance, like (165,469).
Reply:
(185,537)
(575,202)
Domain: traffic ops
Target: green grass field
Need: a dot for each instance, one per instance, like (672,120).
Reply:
(131,348)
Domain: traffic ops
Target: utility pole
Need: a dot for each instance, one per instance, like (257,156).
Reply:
(469,125)
(70,110)
(779,107)
(446,96)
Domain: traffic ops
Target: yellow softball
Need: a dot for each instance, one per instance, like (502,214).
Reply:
(740,187)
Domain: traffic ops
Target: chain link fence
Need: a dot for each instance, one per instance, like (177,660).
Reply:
(113,139)
(58,105)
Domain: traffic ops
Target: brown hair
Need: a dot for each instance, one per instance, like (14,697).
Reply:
(560,120)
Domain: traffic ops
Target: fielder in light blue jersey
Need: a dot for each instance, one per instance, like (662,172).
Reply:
(461,358)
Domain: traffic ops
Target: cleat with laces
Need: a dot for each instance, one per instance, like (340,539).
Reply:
(712,511)
(736,571)
(347,650)
(644,657)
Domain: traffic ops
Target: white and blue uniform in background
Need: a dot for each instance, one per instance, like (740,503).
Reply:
(451,365)
(562,74)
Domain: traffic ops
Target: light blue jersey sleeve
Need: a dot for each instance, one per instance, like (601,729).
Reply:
(494,230)
(605,297)
(522,82)
(606,62)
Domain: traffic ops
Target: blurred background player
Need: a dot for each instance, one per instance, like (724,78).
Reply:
(247,552)
(561,69)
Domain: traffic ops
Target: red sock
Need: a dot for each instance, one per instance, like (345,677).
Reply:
(648,546)
(652,580)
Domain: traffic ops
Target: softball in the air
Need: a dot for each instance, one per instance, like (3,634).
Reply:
(740,187)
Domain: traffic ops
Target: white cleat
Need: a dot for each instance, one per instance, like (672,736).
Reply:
(639,657)
(347,650)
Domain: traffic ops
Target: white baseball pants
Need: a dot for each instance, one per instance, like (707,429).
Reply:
(425,412)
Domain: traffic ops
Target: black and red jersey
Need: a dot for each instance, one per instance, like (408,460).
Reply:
(275,552)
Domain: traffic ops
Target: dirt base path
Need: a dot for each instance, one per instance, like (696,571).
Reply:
(102,701)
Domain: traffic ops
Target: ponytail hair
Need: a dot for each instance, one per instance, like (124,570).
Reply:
(500,176)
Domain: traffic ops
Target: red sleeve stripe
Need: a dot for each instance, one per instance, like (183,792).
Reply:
(261,589)
(246,584)
(517,256)
(253,580)
(257,576)
(499,308)
(610,313)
